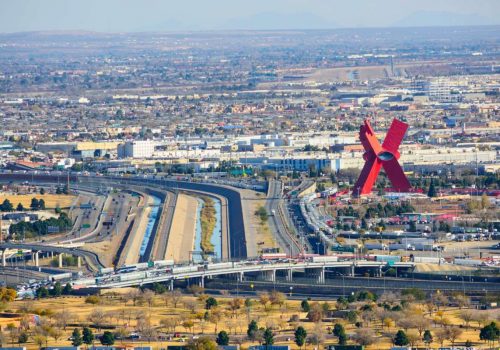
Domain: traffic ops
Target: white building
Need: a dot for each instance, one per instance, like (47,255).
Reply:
(136,149)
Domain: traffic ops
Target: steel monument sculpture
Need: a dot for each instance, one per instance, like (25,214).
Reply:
(378,156)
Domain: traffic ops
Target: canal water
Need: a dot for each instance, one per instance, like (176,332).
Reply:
(153,214)
(216,237)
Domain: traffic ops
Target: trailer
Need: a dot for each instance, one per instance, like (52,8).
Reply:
(184,269)
(387,258)
(376,246)
(219,266)
(163,263)
(106,270)
(324,259)
(428,260)
(132,276)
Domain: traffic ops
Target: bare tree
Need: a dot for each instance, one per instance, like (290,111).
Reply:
(467,317)
(97,318)
(149,297)
(175,296)
(452,334)
(364,336)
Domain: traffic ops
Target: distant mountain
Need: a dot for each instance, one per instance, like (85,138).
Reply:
(272,20)
(446,19)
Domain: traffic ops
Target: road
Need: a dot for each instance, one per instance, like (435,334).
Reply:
(163,231)
(274,207)
(91,258)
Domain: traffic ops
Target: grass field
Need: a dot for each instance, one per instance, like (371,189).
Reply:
(51,200)
(127,310)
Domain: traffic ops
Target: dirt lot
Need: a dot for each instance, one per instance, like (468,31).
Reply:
(51,200)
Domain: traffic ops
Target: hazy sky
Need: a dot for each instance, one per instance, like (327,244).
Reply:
(159,15)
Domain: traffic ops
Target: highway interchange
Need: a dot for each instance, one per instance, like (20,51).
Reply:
(116,205)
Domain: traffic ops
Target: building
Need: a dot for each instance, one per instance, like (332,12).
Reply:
(136,149)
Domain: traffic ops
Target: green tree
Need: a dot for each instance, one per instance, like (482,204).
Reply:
(107,338)
(6,206)
(57,290)
(88,336)
(202,343)
(41,204)
(42,292)
(427,337)
(222,338)
(76,337)
(339,332)
(42,191)
(490,333)
(268,336)
(67,289)
(34,204)
(304,305)
(401,339)
(20,207)
(252,330)
(300,336)
(210,303)
(432,189)
(23,338)
(413,226)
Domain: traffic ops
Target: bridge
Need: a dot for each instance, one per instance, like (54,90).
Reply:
(237,269)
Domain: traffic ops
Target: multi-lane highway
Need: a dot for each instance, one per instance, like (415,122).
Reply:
(284,234)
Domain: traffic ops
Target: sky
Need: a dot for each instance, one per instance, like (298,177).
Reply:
(182,15)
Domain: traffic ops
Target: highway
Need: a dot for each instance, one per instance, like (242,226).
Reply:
(274,206)
(91,258)
(159,249)
(153,275)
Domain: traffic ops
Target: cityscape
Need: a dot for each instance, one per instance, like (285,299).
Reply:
(264,185)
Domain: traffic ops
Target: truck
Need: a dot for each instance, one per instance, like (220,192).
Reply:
(376,246)
(387,258)
(106,270)
(428,260)
(219,266)
(163,263)
(468,262)
(184,269)
(132,276)
(324,259)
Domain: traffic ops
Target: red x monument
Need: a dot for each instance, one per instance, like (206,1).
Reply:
(385,155)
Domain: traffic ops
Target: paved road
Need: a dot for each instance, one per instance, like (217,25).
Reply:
(91,258)
(163,231)
(274,207)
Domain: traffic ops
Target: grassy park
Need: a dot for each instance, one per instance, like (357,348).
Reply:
(163,318)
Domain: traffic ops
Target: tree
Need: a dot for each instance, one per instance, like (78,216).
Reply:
(427,338)
(67,289)
(452,334)
(300,336)
(97,317)
(42,191)
(210,303)
(23,338)
(42,292)
(107,338)
(400,339)
(364,336)
(252,330)
(339,332)
(41,204)
(304,305)
(432,189)
(175,296)
(34,204)
(57,290)
(268,337)
(6,206)
(202,343)
(76,337)
(222,338)
(20,207)
(489,333)
(87,336)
